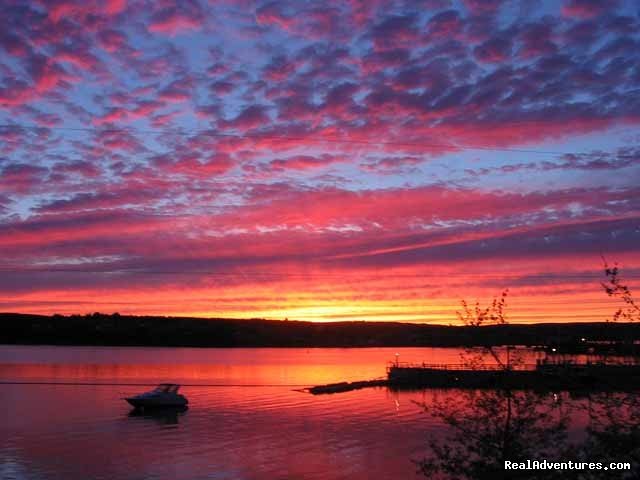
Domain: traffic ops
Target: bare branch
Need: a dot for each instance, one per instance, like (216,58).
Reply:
(616,289)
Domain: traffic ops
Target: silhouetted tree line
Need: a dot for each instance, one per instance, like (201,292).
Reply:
(115,329)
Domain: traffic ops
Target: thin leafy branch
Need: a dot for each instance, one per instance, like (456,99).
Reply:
(615,288)
(493,314)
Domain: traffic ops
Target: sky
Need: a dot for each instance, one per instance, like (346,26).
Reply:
(334,160)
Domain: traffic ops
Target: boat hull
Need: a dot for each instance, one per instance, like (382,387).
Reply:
(156,402)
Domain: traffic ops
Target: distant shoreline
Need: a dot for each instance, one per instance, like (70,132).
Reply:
(155,331)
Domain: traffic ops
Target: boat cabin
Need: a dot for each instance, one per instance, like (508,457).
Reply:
(167,388)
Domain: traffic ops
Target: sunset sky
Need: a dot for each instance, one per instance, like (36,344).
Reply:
(334,160)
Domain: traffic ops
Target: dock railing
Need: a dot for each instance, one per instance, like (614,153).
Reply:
(539,366)
(460,366)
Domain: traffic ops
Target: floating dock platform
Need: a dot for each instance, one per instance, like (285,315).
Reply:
(539,376)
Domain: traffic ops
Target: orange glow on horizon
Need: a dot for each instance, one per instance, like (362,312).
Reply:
(399,295)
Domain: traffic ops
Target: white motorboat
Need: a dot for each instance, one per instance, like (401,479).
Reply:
(164,395)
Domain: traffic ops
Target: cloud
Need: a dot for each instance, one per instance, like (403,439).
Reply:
(391,164)
(95,201)
(193,165)
(483,6)
(445,25)
(60,10)
(272,14)
(495,50)
(112,40)
(587,8)
(304,162)
(44,76)
(253,116)
(394,32)
(252,135)
(21,177)
(182,17)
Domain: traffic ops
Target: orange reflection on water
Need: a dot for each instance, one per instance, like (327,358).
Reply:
(241,366)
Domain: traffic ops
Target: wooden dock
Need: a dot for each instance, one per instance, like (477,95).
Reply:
(540,376)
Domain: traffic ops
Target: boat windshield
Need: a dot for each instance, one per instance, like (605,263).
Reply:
(166,388)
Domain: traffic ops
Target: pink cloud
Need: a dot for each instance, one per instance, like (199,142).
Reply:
(46,76)
(178,19)
(21,177)
(144,109)
(112,40)
(395,32)
(119,140)
(61,9)
(253,116)
(80,167)
(587,8)
(82,60)
(447,24)
(305,162)
(270,14)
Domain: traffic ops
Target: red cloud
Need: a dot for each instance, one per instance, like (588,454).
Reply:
(119,140)
(443,25)
(495,50)
(82,60)
(251,117)
(143,109)
(305,162)
(113,7)
(399,208)
(192,166)
(61,9)
(46,75)
(373,86)
(270,14)
(21,178)
(79,167)
(483,6)
(172,21)
(587,8)
(395,32)
(112,40)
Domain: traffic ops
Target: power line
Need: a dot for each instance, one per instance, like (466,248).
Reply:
(310,138)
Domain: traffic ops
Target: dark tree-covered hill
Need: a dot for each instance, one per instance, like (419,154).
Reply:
(103,329)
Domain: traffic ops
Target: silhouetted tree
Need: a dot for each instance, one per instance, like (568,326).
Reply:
(493,314)
(486,428)
(613,433)
(616,289)
(477,316)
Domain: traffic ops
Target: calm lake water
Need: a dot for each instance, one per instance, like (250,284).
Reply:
(246,420)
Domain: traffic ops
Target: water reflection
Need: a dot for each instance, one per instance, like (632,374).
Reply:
(241,366)
(162,416)
(613,431)
(274,432)
(487,428)
(242,433)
